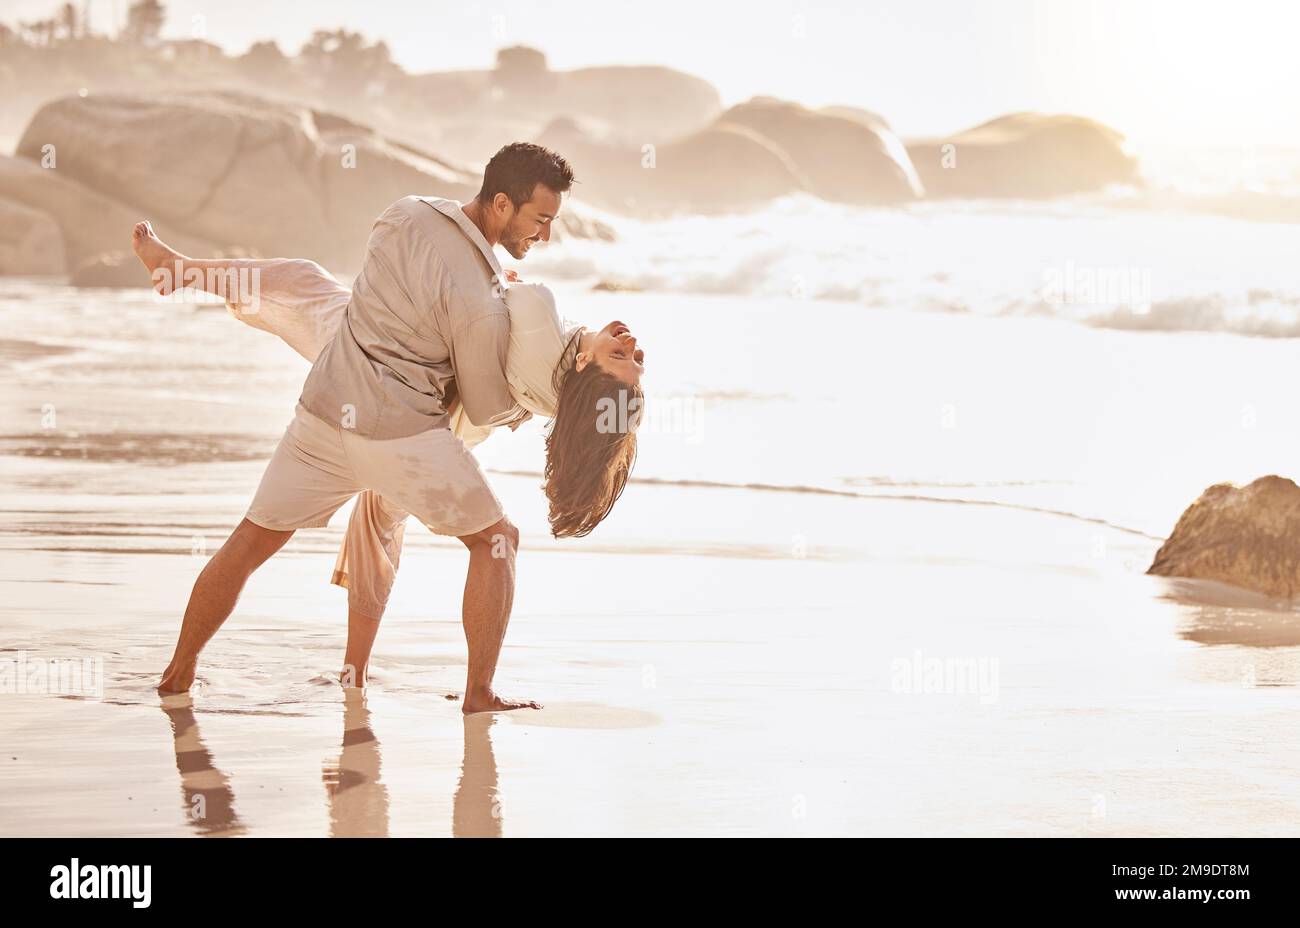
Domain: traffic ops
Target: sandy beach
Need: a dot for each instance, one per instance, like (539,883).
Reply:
(732,653)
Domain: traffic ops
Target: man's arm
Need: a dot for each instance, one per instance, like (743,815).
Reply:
(478,357)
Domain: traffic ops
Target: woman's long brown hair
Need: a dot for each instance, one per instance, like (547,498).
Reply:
(590,447)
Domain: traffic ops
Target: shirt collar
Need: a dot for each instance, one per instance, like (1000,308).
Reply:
(452,209)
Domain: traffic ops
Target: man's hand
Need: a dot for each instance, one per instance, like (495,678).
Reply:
(512,277)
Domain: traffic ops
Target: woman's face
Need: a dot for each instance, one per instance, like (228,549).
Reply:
(614,350)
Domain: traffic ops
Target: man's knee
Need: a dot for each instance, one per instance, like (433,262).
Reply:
(252,543)
(501,539)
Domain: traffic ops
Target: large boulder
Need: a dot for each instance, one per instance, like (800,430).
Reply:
(88,221)
(848,156)
(473,113)
(645,103)
(1244,536)
(858,114)
(1024,156)
(721,169)
(30,241)
(274,178)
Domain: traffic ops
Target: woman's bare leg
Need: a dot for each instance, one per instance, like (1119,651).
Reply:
(362,630)
(366,567)
(169,269)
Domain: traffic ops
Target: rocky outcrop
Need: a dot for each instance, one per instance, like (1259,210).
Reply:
(724,168)
(752,154)
(110,269)
(473,113)
(1024,155)
(232,168)
(645,103)
(30,241)
(858,114)
(848,156)
(88,221)
(1247,537)
(237,170)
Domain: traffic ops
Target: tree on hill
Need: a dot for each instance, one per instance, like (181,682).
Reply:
(70,21)
(264,60)
(144,21)
(522,70)
(345,64)
(41,31)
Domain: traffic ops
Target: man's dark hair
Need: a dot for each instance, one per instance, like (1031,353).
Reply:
(518,168)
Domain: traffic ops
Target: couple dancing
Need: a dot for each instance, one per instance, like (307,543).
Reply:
(432,348)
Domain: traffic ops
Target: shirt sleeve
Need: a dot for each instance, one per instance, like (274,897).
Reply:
(479,350)
(471,434)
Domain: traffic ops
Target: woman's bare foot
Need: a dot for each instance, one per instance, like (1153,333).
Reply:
(491,702)
(160,260)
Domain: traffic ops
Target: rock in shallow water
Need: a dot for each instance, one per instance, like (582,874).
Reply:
(1244,536)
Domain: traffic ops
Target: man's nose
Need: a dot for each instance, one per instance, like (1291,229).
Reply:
(545,234)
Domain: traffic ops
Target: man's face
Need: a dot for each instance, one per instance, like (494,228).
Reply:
(531,222)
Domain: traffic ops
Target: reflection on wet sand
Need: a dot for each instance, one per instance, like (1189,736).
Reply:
(476,812)
(357,799)
(208,801)
(1217,614)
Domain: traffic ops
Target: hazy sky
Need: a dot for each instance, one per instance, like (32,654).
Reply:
(1160,70)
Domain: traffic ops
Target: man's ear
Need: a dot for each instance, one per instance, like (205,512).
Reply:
(501,203)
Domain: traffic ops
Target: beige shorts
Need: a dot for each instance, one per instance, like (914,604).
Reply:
(318,466)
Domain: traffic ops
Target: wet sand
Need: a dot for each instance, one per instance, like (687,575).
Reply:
(716,660)
(738,689)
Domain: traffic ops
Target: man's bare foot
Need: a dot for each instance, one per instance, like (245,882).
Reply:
(159,259)
(491,702)
(350,676)
(175,681)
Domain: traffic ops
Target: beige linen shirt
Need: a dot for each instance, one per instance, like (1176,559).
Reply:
(427,324)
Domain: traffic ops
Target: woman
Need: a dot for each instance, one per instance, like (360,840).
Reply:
(554,369)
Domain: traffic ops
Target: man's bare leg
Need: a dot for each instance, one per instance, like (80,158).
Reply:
(214,597)
(361,639)
(485,613)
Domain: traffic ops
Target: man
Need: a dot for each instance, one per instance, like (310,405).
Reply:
(426,323)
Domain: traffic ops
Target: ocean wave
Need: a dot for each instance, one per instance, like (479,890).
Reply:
(1279,318)
(14,349)
(814,490)
(992,258)
(138,447)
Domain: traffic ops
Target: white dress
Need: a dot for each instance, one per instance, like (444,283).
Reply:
(301,302)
